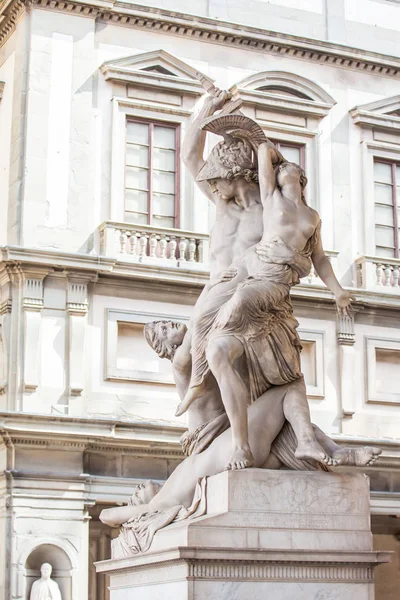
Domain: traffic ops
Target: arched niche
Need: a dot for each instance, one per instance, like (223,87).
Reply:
(61,573)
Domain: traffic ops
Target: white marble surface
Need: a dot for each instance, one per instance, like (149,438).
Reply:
(318,545)
(279,509)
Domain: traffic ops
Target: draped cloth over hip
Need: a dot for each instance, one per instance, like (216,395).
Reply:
(136,535)
(259,314)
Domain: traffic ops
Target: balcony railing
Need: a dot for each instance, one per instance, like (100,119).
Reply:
(154,245)
(163,247)
(378,274)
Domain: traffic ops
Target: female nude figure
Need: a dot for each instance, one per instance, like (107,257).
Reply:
(251,314)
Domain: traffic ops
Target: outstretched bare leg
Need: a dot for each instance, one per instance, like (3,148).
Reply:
(222,353)
(354,457)
(297,412)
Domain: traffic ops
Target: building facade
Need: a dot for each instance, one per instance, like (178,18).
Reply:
(102,230)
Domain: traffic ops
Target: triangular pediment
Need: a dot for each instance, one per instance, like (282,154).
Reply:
(156,68)
(387,106)
(382,114)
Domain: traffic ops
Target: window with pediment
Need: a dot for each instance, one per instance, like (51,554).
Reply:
(153,98)
(152,173)
(380,124)
(289,108)
(386,195)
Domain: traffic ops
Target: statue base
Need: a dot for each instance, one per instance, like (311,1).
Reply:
(266,534)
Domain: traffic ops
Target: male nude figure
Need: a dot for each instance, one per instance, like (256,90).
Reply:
(238,223)
(236,315)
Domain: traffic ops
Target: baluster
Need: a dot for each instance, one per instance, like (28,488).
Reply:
(388,274)
(142,246)
(379,274)
(200,251)
(123,238)
(133,244)
(396,273)
(192,250)
(172,248)
(182,248)
(153,245)
(311,274)
(163,247)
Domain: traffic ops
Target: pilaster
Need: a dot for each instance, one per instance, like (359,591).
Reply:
(32,305)
(5,324)
(77,309)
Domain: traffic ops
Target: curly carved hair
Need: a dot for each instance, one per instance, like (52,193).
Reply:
(237,173)
(231,159)
(159,345)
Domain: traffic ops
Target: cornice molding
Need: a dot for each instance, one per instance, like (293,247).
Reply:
(250,564)
(19,262)
(10,12)
(231,34)
(209,30)
(92,435)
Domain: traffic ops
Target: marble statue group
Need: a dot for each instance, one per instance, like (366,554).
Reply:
(237,365)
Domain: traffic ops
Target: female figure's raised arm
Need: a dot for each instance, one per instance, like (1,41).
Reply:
(268,157)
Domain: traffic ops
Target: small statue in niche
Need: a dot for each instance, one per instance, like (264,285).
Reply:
(45,588)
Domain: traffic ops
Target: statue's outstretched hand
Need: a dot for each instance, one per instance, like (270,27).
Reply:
(343,303)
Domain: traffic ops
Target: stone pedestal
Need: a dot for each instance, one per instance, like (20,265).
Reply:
(282,535)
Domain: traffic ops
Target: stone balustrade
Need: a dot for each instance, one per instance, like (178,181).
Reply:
(154,245)
(379,274)
(166,247)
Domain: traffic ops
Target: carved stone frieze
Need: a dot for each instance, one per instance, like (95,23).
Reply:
(292,571)
(205,29)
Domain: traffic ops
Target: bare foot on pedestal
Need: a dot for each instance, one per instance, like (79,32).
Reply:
(357,457)
(310,449)
(242,458)
(191,395)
